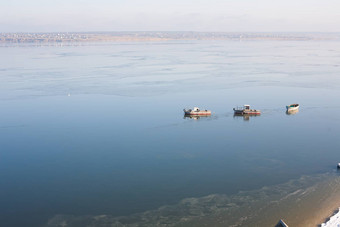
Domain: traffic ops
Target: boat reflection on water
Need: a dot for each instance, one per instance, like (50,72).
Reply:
(245,117)
(196,117)
(292,112)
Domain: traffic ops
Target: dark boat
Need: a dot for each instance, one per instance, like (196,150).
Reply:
(246,110)
(281,224)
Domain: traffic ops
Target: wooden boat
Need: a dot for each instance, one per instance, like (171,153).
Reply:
(196,111)
(293,107)
(246,110)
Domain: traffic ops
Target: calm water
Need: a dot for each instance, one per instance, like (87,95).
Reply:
(96,129)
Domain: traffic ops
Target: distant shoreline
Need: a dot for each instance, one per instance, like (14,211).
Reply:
(66,37)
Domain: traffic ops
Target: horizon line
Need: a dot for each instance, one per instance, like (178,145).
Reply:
(171,31)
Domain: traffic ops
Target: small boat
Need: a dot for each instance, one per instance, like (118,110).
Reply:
(281,224)
(293,107)
(196,111)
(246,110)
(338,165)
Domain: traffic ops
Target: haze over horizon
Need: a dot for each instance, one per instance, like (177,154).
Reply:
(175,15)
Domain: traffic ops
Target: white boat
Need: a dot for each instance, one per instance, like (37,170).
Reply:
(196,111)
(292,107)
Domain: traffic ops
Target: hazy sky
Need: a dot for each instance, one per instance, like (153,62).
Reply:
(170,15)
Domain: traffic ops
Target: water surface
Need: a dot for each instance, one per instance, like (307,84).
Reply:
(98,128)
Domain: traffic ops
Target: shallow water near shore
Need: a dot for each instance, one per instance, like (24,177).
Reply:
(302,202)
(97,132)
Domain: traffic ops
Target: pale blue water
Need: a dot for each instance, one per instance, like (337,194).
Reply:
(99,129)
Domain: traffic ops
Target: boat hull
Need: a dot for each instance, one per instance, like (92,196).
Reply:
(243,112)
(292,108)
(292,112)
(202,113)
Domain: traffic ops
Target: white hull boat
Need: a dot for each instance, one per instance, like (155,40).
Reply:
(196,111)
(293,107)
